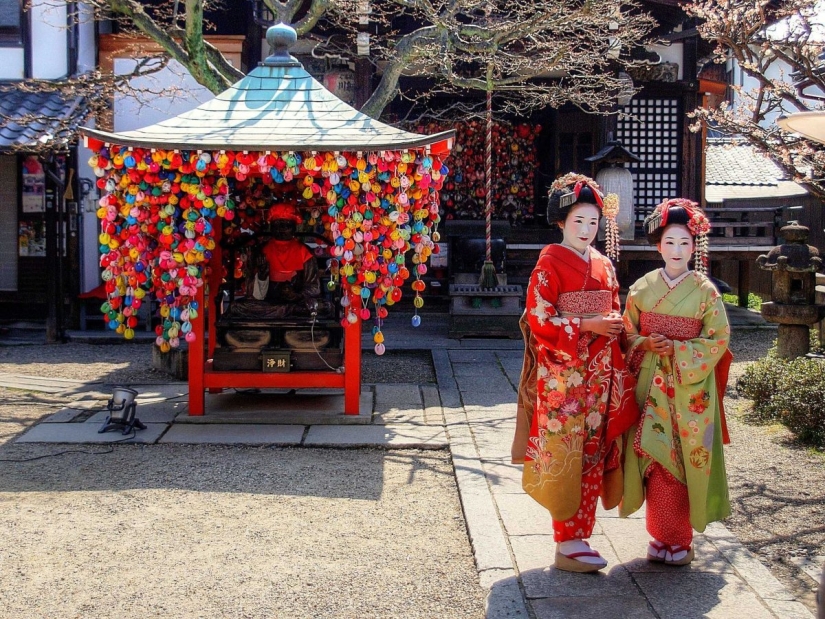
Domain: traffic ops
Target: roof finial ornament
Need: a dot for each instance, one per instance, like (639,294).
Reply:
(280,38)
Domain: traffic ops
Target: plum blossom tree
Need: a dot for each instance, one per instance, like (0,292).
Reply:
(778,45)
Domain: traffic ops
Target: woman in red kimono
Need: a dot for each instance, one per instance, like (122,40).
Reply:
(583,397)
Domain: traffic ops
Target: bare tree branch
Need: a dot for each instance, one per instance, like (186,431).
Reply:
(762,37)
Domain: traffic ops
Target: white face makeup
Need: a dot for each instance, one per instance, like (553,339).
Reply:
(581,226)
(676,248)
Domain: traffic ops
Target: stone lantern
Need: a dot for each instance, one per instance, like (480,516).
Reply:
(793,286)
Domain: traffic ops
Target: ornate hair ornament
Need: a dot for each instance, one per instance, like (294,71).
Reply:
(609,205)
(698,225)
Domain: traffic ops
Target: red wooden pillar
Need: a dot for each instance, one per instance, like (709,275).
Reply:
(352,368)
(196,358)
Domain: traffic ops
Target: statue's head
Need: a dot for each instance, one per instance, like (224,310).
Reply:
(283,220)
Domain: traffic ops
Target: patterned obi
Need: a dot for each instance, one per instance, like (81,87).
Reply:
(672,327)
(585,303)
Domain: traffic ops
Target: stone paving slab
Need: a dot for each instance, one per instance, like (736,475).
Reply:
(542,580)
(503,477)
(399,436)
(677,595)
(629,539)
(521,515)
(87,433)
(470,370)
(286,409)
(810,566)
(39,383)
(472,357)
(485,384)
(433,414)
(474,398)
(68,414)
(709,587)
(602,607)
(234,434)
(398,403)
(504,599)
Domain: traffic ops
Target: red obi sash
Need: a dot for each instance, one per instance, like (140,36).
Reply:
(585,302)
(672,327)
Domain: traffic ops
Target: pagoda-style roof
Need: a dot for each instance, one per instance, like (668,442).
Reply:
(280,107)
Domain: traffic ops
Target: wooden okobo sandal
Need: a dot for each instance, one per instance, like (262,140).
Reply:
(672,550)
(570,563)
(659,551)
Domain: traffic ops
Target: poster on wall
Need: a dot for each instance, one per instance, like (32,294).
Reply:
(31,238)
(34,186)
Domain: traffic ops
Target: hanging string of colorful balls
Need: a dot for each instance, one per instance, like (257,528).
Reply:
(157,215)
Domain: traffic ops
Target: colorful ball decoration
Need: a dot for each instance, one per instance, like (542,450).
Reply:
(514,164)
(159,210)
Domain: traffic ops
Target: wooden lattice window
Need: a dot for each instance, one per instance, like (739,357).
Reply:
(651,129)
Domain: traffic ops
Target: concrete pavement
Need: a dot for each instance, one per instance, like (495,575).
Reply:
(471,413)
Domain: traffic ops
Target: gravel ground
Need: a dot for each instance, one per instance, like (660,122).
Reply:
(211,531)
(775,484)
(131,363)
(776,489)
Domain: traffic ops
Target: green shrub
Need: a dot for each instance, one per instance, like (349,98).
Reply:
(800,399)
(759,383)
(754,300)
(791,391)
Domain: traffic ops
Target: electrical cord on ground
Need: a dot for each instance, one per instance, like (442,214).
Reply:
(74,451)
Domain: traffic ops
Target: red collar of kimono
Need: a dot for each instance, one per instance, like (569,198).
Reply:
(594,268)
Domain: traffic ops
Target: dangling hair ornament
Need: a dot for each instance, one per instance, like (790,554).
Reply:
(609,205)
(698,225)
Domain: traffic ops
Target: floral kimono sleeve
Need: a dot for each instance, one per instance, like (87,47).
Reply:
(559,335)
(694,360)
(635,341)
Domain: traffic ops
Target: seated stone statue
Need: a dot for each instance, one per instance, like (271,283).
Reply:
(286,283)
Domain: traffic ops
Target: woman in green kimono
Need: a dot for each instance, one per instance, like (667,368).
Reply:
(678,336)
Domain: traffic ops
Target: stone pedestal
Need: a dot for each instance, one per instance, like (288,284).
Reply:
(793,341)
(175,362)
(485,312)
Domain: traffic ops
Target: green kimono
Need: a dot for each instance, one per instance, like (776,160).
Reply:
(680,396)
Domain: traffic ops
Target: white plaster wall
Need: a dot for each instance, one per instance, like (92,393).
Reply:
(158,97)
(671,53)
(49,43)
(11,63)
(179,93)
(86,45)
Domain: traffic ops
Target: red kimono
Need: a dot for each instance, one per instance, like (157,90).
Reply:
(584,393)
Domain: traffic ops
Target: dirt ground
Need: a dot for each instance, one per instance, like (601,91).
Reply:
(210,531)
(776,485)
(244,532)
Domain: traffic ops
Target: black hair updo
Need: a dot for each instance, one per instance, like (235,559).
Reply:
(676,215)
(557,213)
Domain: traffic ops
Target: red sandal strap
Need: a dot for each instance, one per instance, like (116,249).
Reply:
(576,555)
